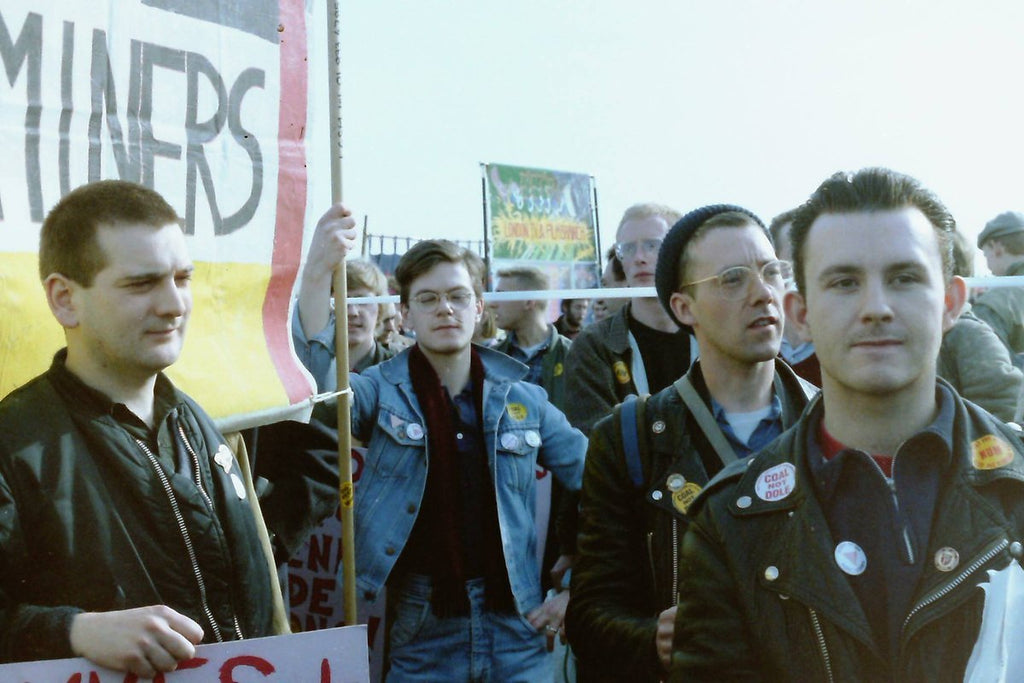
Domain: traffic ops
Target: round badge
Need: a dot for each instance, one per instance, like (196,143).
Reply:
(532,439)
(946,559)
(517,411)
(851,558)
(558,369)
(414,431)
(236,481)
(684,497)
(776,483)
(223,458)
(656,494)
(658,427)
(621,372)
(509,441)
(675,482)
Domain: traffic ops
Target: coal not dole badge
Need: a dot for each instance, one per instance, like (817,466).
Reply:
(776,483)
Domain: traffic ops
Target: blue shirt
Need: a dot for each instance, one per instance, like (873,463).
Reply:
(765,432)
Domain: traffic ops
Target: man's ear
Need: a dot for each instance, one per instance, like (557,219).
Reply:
(956,297)
(681,304)
(60,297)
(796,314)
(479,309)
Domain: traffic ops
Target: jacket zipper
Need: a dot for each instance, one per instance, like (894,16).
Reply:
(961,577)
(196,472)
(209,501)
(185,537)
(675,559)
(905,532)
(822,647)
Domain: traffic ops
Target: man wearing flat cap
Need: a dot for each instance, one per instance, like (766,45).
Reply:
(718,277)
(1002,242)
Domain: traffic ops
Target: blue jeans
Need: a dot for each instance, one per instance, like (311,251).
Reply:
(480,646)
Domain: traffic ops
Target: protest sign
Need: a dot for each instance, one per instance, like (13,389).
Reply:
(544,219)
(214,104)
(329,656)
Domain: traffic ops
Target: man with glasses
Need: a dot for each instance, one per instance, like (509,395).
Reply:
(717,277)
(444,510)
(639,349)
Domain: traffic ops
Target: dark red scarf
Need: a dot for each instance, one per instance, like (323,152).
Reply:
(442,511)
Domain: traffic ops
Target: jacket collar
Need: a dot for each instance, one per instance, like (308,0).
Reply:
(617,337)
(497,367)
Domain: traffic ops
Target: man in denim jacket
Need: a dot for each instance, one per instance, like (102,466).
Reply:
(445,506)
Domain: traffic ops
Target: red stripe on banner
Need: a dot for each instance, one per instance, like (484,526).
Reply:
(291,197)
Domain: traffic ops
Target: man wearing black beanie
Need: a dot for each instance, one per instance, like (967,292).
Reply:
(717,276)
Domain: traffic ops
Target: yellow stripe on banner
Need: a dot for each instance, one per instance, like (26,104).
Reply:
(225,364)
(29,335)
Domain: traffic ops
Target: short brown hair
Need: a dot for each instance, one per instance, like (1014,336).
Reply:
(527,277)
(871,189)
(423,256)
(67,243)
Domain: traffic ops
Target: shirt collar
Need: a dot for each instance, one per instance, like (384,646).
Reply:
(934,441)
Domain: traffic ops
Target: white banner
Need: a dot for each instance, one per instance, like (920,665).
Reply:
(330,656)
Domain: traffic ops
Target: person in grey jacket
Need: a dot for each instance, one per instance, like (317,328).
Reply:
(973,359)
(637,350)
(1002,242)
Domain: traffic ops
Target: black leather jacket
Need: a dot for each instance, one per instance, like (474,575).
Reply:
(763,597)
(88,522)
(626,568)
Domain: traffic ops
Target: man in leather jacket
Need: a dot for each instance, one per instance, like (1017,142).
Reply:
(852,547)
(130,532)
(717,276)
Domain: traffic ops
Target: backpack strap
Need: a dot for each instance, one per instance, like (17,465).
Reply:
(631,414)
(705,420)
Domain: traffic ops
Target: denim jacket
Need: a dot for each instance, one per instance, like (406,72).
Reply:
(521,429)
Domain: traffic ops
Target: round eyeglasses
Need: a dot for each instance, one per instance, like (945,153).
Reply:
(428,302)
(735,282)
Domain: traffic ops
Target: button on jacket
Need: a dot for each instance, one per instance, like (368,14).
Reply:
(521,429)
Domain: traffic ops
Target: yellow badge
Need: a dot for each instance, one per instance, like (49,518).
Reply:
(558,369)
(517,411)
(990,452)
(621,373)
(683,498)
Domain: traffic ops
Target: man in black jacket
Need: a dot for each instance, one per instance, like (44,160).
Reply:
(718,277)
(129,532)
(852,547)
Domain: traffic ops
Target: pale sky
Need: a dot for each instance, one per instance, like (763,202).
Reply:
(684,103)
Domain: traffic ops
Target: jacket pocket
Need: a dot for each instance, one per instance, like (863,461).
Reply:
(516,451)
(400,450)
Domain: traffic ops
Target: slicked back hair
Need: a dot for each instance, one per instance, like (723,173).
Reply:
(68,244)
(871,189)
(423,256)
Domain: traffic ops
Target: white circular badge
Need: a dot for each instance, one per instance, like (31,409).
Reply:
(775,483)
(851,558)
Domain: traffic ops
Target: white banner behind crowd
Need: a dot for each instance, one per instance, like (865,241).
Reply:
(329,656)
(221,107)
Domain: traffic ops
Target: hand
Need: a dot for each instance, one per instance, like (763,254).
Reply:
(563,564)
(663,639)
(143,641)
(333,238)
(549,618)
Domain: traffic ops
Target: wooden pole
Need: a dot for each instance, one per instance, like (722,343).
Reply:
(345,489)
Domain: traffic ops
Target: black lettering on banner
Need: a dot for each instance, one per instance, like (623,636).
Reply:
(200,133)
(250,78)
(103,92)
(67,107)
(151,147)
(28,48)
